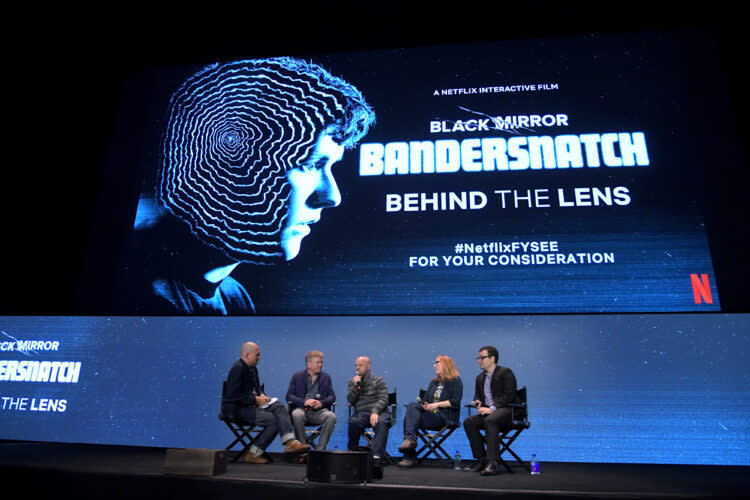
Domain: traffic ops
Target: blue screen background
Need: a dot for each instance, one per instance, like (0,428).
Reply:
(669,388)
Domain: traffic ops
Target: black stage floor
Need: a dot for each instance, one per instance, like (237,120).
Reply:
(39,470)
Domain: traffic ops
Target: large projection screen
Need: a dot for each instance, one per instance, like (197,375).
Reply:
(535,176)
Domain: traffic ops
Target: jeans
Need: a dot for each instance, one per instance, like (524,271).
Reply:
(360,421)
(323,417)
(416,418)
(274,420)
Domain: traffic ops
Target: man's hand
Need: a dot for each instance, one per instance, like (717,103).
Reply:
(373,419)
(261,400)
(313,403)
(356,379)
(484,410)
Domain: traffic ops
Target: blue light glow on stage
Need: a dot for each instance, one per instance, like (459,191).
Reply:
(601,388)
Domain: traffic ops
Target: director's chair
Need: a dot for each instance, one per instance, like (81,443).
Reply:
(245,434)
(519,422)
(433,439)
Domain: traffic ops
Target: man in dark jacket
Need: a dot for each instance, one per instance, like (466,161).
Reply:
(244,400)
(494,390)
(310,396)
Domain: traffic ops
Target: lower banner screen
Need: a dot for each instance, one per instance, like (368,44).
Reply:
(601,388)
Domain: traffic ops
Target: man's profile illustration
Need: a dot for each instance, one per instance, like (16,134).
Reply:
(245,171)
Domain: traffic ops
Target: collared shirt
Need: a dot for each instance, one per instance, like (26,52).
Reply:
(488,401)
(313,388)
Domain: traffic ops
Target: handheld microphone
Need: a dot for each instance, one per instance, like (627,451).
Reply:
(359,383)
(317,398)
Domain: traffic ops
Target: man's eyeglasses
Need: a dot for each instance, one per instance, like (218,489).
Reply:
(480,358)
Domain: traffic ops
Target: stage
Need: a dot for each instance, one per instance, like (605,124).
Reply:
(95,471)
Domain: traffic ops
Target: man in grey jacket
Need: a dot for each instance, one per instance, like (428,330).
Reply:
(368,394)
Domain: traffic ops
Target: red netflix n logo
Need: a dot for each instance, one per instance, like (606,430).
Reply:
(701,289)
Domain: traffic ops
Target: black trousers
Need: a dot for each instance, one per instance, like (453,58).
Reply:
(492,424)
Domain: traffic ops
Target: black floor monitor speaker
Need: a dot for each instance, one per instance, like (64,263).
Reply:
(334,466)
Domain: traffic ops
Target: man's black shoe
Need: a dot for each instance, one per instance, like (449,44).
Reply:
(475,467)
(376,461)
(490,470)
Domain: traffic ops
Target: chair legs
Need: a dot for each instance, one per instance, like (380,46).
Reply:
(506,439)
(433,441)
(243,436)
(311,437)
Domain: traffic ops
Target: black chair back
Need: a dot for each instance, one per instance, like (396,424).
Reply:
(222,416)
(520,410)
(392,398)
(521,396)
(392,405)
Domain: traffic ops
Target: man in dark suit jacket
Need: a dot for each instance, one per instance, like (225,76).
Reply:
(243,399)
(310,396)
(495,389)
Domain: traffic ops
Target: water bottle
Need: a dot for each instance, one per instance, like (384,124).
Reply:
(457,461)
(534,465)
